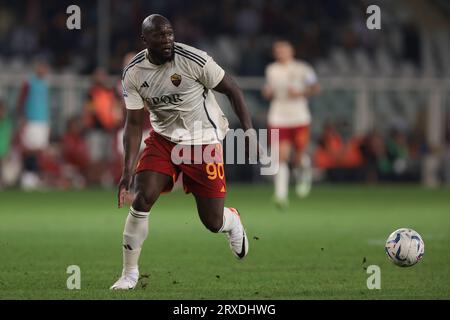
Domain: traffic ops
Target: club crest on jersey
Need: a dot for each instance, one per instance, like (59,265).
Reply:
(176,79)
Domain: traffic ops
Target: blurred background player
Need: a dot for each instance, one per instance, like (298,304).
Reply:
(33,108)
(289,83)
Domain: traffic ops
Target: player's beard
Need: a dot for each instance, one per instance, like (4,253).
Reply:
(172,55)
(162,58)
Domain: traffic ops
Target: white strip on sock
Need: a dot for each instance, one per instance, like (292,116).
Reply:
(230,220)
(282,182)
(134,234)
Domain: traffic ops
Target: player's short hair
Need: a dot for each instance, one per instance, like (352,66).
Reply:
(283,40)
(148,22)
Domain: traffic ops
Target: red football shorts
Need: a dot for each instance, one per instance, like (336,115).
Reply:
(205,179)
(298,136)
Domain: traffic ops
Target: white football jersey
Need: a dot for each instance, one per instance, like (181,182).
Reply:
(286,111)
(178,95)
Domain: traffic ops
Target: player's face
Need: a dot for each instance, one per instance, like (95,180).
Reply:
(160,42)
(283,51)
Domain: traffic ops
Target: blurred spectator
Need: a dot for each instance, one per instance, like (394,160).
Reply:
(411,44)
(76,153)
(341,160)
(24,40)
(5,137)
(51,167)
(318,26)
(103,116)
(34,114)
(371,158)
(397,153)
(330,149)
(237,34)
(376,163)
(402,155)
(248,20)
(252,60)
(102,110)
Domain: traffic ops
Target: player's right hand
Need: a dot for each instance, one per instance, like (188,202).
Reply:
(124,187)
(294,93)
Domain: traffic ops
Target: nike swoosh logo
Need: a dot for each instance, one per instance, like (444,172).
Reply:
(242,253)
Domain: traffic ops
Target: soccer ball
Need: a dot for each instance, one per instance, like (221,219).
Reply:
(404,247)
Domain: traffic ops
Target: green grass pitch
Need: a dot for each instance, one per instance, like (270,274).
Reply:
(314,250)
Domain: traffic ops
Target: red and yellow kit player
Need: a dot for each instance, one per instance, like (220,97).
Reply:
(175,83)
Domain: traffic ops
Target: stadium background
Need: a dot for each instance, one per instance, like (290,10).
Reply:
(386,92)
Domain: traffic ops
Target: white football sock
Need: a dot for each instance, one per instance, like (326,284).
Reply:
(230,220)
(303,172)
(282,182)
(305,161)
(134,234)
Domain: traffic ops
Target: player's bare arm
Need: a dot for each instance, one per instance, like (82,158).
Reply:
(229,88)
(131,143)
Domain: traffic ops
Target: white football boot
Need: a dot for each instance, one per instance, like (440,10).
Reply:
(126,281)
(303,188)
(281,204)
(238,238)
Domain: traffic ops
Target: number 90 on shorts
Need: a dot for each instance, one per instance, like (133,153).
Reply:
(215,170)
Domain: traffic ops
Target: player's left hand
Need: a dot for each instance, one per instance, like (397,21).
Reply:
(123,195)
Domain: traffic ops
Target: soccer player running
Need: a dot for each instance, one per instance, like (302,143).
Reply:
(289,83)
(176,81)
